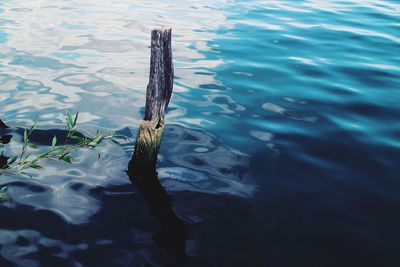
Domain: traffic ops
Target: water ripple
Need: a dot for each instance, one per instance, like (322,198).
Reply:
(282,111)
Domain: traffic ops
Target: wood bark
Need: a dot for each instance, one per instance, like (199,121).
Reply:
(161,77)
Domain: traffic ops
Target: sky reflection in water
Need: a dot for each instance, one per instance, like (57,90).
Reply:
(281,143)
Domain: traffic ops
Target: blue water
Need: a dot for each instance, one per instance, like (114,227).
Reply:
(282,142)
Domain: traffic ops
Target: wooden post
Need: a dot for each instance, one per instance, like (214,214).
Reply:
(142,167)
(161,78)
(159,91)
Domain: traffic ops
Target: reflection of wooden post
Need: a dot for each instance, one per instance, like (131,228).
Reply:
(142,167)
(2,125)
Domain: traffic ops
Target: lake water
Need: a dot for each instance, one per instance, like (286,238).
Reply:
(282,143)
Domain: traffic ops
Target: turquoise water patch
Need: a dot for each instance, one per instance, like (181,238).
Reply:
(3,37)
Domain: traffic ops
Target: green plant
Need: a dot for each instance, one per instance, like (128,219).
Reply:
(27,159)
(3,195)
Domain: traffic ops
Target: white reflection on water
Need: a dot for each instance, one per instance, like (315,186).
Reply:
(106,44)
(93,56)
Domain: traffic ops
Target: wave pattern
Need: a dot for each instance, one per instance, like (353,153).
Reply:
(281,146)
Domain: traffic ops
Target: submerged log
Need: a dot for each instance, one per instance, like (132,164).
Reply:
(142,167)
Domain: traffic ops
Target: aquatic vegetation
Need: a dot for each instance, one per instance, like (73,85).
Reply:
(3,195)
(28,158)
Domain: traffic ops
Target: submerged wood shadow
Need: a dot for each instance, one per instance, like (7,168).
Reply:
(3,125)
(142,167)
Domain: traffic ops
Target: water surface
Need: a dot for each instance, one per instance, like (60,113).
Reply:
(281,146)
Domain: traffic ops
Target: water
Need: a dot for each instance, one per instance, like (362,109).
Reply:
(281,146)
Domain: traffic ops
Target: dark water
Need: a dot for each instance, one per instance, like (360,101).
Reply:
(281,146)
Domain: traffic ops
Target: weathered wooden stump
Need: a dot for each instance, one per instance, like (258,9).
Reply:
(158,94)
(142,167)
(161,80)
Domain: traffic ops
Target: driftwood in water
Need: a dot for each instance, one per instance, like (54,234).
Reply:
(142,167)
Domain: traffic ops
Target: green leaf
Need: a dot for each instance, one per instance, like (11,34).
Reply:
(32,128)
(32,145)
(26,174)
(35,165)
(67,158)
(120,136)
(12,160)
(69,119)
(54,141)
(76,119)
(63,155)
(60,148)
(25,137)
(95,141)
(73,137)
(44,154)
